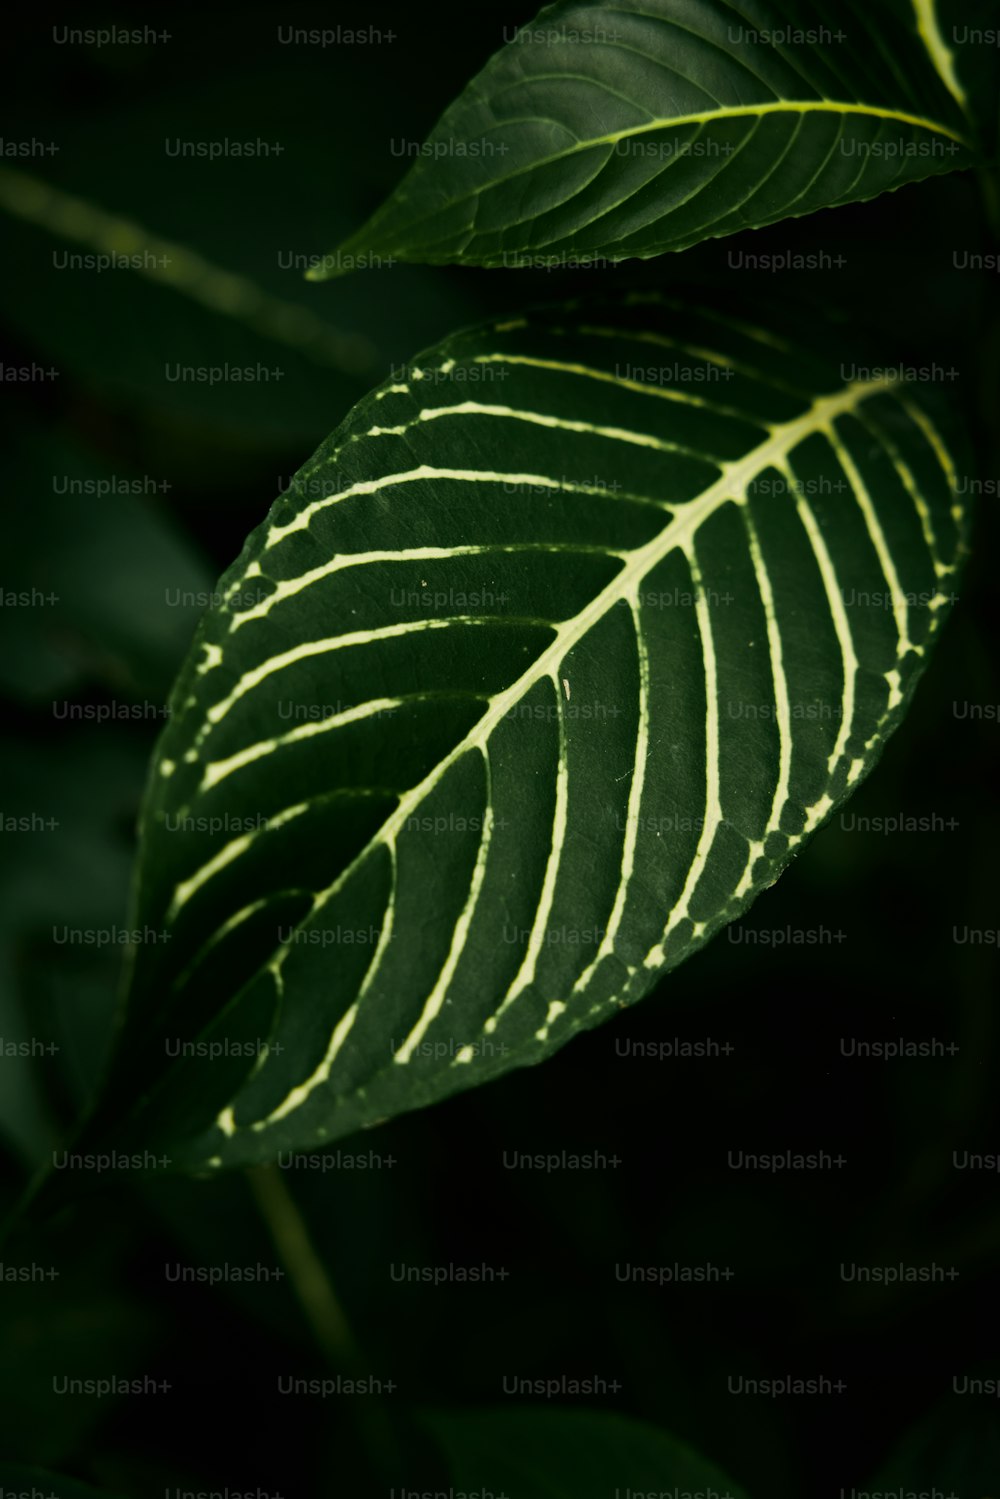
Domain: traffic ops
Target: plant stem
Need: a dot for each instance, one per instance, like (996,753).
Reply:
(309,1279)
(323,1311)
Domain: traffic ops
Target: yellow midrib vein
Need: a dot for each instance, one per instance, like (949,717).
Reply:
(794,106)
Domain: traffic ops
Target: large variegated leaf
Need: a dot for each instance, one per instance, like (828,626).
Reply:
(612,131)
(542,669)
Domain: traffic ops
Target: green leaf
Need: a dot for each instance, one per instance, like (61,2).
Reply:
(582,1454)
(608,132)
(116,588)
(68,804)
(544,667)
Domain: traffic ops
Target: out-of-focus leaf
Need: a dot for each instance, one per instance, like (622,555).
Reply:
(65,855)
(534,1453)
(104,587)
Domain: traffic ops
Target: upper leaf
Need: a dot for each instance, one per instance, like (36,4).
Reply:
(614,131)
(542,669)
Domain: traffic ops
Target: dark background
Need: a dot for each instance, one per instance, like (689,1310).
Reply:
(212,459)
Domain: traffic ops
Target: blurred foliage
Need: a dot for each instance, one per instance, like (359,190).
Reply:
(538,1453)
(208,461)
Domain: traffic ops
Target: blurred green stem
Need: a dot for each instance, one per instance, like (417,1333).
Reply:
(309,1279)
(326,1318)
